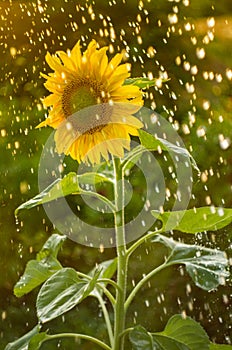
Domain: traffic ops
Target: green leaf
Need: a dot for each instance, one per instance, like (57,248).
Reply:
(143,83)
(61,292)
(51,247)
(186,331)
(106,270)
(22,343)
(69,184)
(150,142)
(39,270)
(167,343)
(153,143)
(180,333)
(195,220)
(36,342)
(214,346)
(141,339)
(207,267)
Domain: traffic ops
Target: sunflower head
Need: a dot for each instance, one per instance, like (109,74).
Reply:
(90,107)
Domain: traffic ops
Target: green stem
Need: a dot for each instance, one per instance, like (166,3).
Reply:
(107,294)
(126,331)
(109,281)
(142,240)
(107,318)
(80,336)
(119,311)
(142,282)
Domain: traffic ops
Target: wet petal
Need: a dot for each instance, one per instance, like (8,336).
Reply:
(113,64)
(65,136)
(67,61)
(50,100)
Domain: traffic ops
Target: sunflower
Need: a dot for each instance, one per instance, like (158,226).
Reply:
(90,107)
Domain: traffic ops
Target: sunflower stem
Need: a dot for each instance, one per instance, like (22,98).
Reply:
(119,311)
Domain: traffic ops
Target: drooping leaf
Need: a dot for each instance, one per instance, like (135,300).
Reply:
(141,339)
(51,247)
(185,331)
(208,268)
(195,220)
(153,143)
(39,270)
(36,342)
(69,184)
(61,292)
(143,83)
(22,343)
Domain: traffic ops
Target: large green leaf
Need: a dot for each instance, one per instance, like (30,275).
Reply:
(69,184)
(180,333)
(195,220)
(39,270)
(153,143)
(143,83)
(61,292)
(186,331)
(208,268)
(22,343)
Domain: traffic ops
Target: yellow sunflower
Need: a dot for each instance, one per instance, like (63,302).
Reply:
(89,105)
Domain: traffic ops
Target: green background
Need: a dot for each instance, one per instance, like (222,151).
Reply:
(203,119)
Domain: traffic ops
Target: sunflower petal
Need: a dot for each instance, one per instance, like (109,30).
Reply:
(76,55)
(54,63)
(67,61)
(65,136)
(50,100)
(113,64)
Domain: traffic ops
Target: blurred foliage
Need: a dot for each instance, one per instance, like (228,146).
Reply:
(159,36)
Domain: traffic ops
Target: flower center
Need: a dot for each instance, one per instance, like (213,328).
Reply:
(81,98)
(83,93)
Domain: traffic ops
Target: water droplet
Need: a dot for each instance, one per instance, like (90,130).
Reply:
(188,27)
(190,88)
(224,142)
(172,18)
(229,73)
(206,105)
(147,303)
(211,22)
(200,52)
(201,132)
